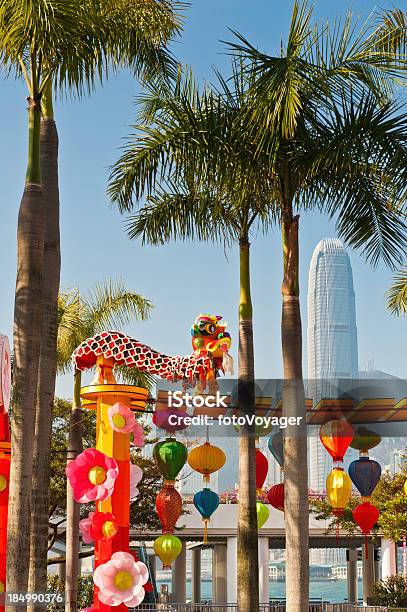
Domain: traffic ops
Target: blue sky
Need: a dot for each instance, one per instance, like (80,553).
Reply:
(181,279)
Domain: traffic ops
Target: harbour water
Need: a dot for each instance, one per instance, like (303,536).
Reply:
(328,591)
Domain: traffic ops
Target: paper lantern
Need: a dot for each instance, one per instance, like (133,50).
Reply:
(262,514)
(170,457)
(338,487)
(206,502)
(164,419)
(206,459)
(275,496)
(168,505)
(121,580)
(364,439)
(366,517)
(276,447)
(365,474)
(167,547)
(262,467)
(336,436)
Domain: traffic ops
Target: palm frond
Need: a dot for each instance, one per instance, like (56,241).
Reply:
(71,329)
(111,304)
(397,294)
(132,376)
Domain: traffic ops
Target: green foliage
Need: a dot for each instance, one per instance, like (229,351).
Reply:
(390,499)
(391,592)
(85,592)
(397,294)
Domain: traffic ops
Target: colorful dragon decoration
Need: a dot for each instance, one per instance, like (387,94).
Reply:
(210,341)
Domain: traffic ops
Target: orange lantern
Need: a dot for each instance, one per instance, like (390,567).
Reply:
(338,487)
(336,436)
(206,459)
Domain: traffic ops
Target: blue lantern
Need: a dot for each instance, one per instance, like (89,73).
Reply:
(275,445)
(206,502)
(365,474)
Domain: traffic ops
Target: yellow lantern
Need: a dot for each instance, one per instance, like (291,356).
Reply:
(167,547)
(338,487)
(206,459)
(405,488)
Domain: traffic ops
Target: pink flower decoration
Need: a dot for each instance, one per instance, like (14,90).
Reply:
(138,435)
(121,580)
(121,418)
(84,527)
(92,476)
(136,474)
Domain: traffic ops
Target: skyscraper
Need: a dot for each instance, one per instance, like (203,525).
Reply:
(332,334)
(332,345)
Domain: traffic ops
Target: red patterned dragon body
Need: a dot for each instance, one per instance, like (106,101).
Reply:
(210,341)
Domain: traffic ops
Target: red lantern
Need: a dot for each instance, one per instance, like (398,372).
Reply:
(168,504)
(262,467)
(336,436)
(366,517)
(275,496)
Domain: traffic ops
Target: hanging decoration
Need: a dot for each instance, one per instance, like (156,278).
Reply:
(263,514)
(366,516)
(336,437)
(365,474)
(262,466)
(276,448)
(136,474)
(161,419)
(167,547)
(206,459)
(338,487)
(170,456)
(168,505)
(364,440)
(206,502)
(275,496)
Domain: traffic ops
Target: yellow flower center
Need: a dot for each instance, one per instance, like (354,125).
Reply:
(109,529)
(97,475)
(118,421)
(3,484)
(123,580)
(2,589)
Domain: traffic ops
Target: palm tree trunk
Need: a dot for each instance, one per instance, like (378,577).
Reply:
(295,438)
(48,357)
(72,508)
(27,342)
(247,547)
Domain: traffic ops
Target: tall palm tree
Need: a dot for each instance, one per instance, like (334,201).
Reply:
(201,190)
(215,208)
(397,294)
(79,317)
(54,44)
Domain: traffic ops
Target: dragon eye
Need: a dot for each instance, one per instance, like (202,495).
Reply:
(211,328)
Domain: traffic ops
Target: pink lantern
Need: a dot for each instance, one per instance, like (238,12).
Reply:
(171,420)
(121,580)
(92,476)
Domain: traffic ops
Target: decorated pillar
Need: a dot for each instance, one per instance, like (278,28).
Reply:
(5,454)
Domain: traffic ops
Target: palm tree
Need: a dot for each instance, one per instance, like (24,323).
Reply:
(397,294)
(69,45)
(79,317)
(188,153)
(215,208)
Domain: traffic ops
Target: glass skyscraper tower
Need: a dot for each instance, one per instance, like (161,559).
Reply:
(332,333)
(332,347)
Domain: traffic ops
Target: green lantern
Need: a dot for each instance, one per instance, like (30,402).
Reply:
(170,457)
(262,514)
(364,440)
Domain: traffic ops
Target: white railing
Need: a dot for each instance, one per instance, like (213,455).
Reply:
(271,607)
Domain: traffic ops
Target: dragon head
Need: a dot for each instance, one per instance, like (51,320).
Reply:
(209,335)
